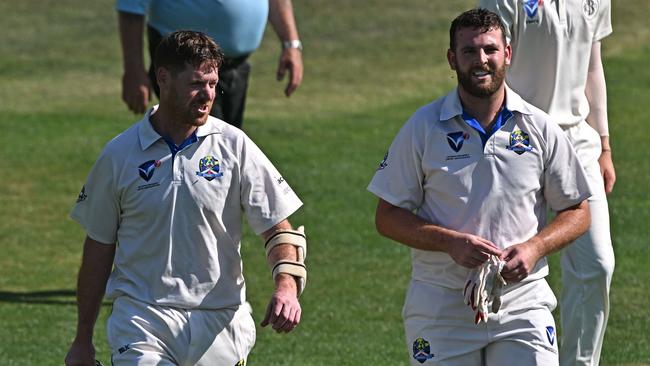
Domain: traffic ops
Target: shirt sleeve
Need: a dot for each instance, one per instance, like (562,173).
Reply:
(565,180)
(507,10)
(604,22)
(398,179)
(266,197)
(132,6)
(98,208)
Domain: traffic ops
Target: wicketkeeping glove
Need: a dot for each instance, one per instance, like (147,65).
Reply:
(484,284)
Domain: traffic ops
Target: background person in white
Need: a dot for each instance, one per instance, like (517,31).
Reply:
(171,191)
(458,185)
(556,66)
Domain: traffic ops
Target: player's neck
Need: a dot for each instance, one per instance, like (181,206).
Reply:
(168,127)
(483,109)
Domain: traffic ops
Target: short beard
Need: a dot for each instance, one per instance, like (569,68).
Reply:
(482,91)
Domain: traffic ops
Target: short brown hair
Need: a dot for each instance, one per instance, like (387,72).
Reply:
(482,19)
(187,47)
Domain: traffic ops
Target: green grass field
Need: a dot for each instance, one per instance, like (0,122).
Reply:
(368,65)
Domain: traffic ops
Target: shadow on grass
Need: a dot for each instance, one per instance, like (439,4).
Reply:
(51,297)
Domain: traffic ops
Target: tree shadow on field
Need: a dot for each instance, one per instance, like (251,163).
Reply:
(50,297)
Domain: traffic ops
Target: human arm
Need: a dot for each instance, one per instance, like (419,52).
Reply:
(596,92)
(136,88)
(567,225)
(96,266)
(283,311)
(283,22)
(407,228)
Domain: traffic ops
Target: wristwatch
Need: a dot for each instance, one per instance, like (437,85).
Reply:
(294,43)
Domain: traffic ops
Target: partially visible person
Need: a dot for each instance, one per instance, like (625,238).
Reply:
(466,184)
(236,25)
(162,208)
(556,66)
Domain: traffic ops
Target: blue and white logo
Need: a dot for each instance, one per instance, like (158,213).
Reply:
(531,7)
(209,168)
(147,169)
(422,350)
(456,139)
(550,334)
(384,162)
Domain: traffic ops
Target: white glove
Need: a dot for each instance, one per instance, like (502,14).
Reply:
(484,284)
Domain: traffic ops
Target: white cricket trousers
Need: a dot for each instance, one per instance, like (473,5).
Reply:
(587,265)
(440,329)
(141,334)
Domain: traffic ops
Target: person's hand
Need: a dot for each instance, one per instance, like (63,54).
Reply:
(471,251)
(290,60)
(283,312)
(136,90)
(80,354)
(520,261)
(607,170)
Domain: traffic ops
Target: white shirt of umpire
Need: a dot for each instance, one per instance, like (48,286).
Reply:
(438,168)
(178,219)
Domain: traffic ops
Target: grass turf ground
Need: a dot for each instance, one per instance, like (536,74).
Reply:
(368,65)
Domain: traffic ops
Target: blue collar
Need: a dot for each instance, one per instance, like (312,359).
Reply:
(502,117)
(176,148)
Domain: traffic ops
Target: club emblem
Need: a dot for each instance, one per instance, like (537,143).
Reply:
(531,7)
(519,142)
(209,168)
(82,195)
(384,162)
(590,8)
(550,334)
(422,350)
(147,169)
(456,139)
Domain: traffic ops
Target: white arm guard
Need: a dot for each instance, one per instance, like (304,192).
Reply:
(296,268)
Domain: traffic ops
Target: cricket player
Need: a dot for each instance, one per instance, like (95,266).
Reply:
(162,208)
(466,184)
(556,66)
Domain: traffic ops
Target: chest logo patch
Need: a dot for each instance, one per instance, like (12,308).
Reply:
(147,169)
(519,142)
(531,8)
(422,350)
(209,168)
(456,139)
(590,8)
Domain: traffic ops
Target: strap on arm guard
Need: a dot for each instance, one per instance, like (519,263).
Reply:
(297,268)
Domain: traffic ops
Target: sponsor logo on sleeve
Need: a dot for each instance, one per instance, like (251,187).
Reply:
(384,162)
(82,195)
(422,350)
(590,8)
(519,142)
(209,168)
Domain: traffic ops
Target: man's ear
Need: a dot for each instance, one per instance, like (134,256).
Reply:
(451,58)
(163,76)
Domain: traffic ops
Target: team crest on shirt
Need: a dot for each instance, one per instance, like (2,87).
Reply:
(384,162)
(82,195)
(550,335)
(241,362)
(519,142)
(456,139)
(422,350)
(147,169)
(209,168)
(590,8)
(531,8)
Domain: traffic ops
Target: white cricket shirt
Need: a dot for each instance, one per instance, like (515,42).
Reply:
(551,46)
(438,167)
(177,219)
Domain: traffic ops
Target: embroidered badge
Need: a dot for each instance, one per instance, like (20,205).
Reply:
(209,168)
(590,8)
(422,350)
(456,139)
(384,162)
(147,169)
(519,142)
(550,334)
(531,8)
(82,195)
